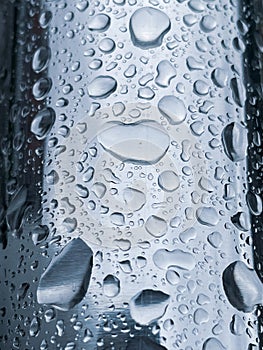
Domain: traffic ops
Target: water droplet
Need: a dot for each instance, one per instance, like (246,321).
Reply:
(111,286)
(82,191)
(130,71)
(242,286)
(102,86)
(189,20)
(188,235)
(165,73)
(41,59)
(206,184)
(82,5)
(148,305)
(118,108)
(52,177)
(41,88)
(234,137)
(99,189)
(22,290)
(88,175)
(201,87)
(43,122)
(134,199)
(143,142)
(99,23)
(241,221)
(144,31)
(95,64)
(107,45)
(254,203)
(237,91)
(194,64)
(201,316)
(145,79)
(164,259)
(169,181)
(215,239)
(45,19)
(34,327)
(146,93)
(197,128)
(172,277)
(173,109)
(65,281)
(237,325)
(39,234)
(207,216)
(117,219)
(70,224)
(213,344)
(196,5)
(88,335)
(156,226)
(219,77)
(208,23)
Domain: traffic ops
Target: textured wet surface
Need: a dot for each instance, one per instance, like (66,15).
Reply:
(131,208)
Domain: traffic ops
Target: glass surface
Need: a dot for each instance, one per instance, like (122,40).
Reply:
(131,175)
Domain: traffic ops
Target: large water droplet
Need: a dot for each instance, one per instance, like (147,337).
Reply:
(254,203)
(241,221)
(143,142)
(145,33)
(65,281)
(213,344)
(242,286)
(234,137)
(164,259)
(148,306)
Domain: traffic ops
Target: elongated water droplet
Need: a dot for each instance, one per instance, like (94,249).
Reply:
(43,122)
(66,279)
(142,143)
(234,137)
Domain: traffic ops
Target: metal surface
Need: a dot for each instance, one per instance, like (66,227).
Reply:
(109,76)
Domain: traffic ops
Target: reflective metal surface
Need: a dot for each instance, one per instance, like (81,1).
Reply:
(131,175)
